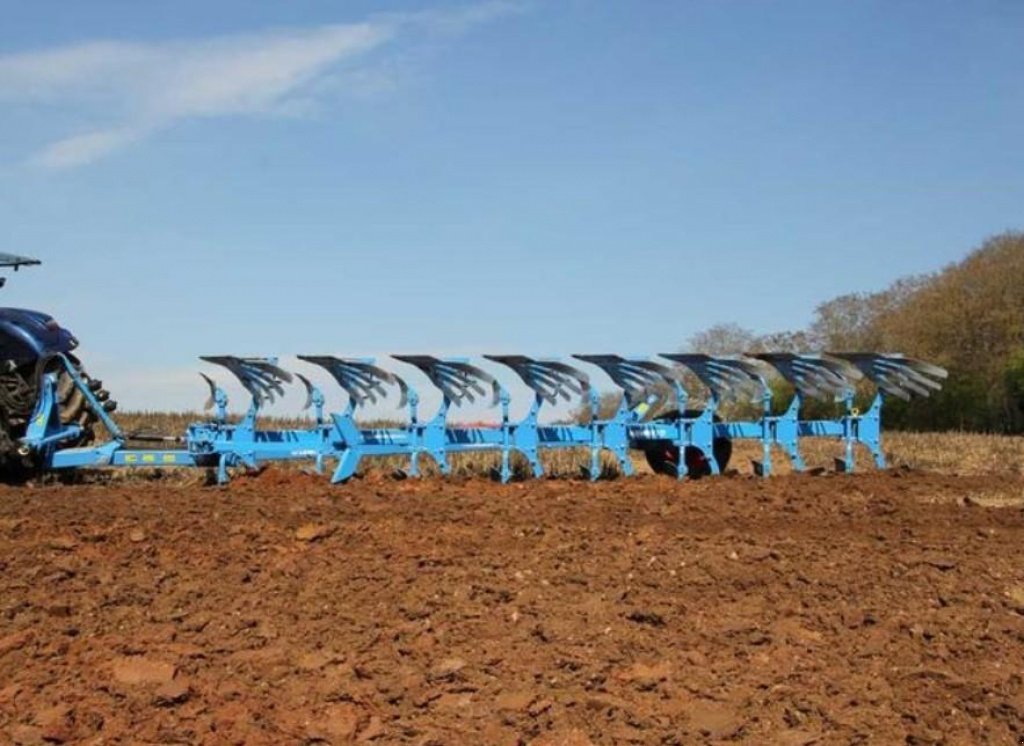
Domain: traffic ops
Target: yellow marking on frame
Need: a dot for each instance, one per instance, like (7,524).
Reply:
(148,458)
(130,458)
(170,458)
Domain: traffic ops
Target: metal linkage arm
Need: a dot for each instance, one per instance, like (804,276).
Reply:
(363,381)
(639,378)
(260,376)
(894,374)
(816,376)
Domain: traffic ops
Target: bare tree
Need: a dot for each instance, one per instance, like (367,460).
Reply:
(723,339)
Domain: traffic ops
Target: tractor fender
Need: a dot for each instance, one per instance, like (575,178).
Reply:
(32,335)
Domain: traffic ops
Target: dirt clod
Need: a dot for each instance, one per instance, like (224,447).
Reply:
(15,641)
(312,532)
(570,737)
(339,723)
(447,669)
(63,543)
(714,719)
(1014,595)
(516,700)
(139,670)
(650,618)
(172,693)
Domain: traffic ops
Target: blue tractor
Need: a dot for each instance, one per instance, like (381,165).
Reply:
(30,343)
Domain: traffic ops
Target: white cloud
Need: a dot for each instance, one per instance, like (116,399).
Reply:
(78,150)
(134,89)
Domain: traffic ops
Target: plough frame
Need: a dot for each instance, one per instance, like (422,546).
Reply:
(652,413)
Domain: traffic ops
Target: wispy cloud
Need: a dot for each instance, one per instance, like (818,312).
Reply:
(132,90)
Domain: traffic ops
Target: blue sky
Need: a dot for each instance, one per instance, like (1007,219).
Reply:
(539,177)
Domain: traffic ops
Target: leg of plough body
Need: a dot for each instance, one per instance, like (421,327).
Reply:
(653,415)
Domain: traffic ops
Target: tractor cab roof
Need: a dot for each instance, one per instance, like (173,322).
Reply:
(13,260)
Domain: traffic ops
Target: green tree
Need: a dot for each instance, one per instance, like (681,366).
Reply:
(969,318)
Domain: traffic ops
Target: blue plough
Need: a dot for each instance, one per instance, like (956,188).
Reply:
(653,414)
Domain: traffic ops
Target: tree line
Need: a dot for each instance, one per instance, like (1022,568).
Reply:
(967,317)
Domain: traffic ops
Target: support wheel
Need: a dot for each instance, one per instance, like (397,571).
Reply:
(663,455)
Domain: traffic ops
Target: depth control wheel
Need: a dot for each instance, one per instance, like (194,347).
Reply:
(663,455)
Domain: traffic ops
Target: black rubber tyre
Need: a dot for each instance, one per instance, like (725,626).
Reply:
(663,455)
(15,468)
(19,395)
(74,408)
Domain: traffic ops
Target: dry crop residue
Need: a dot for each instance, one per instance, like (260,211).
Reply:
(879,608)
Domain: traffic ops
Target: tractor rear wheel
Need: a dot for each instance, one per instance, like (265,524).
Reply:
(19,394)
(74,407)
(663,455)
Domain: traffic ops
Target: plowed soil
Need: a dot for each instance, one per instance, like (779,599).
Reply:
(882,608)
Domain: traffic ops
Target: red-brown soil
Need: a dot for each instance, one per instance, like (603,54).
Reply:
(881,608)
